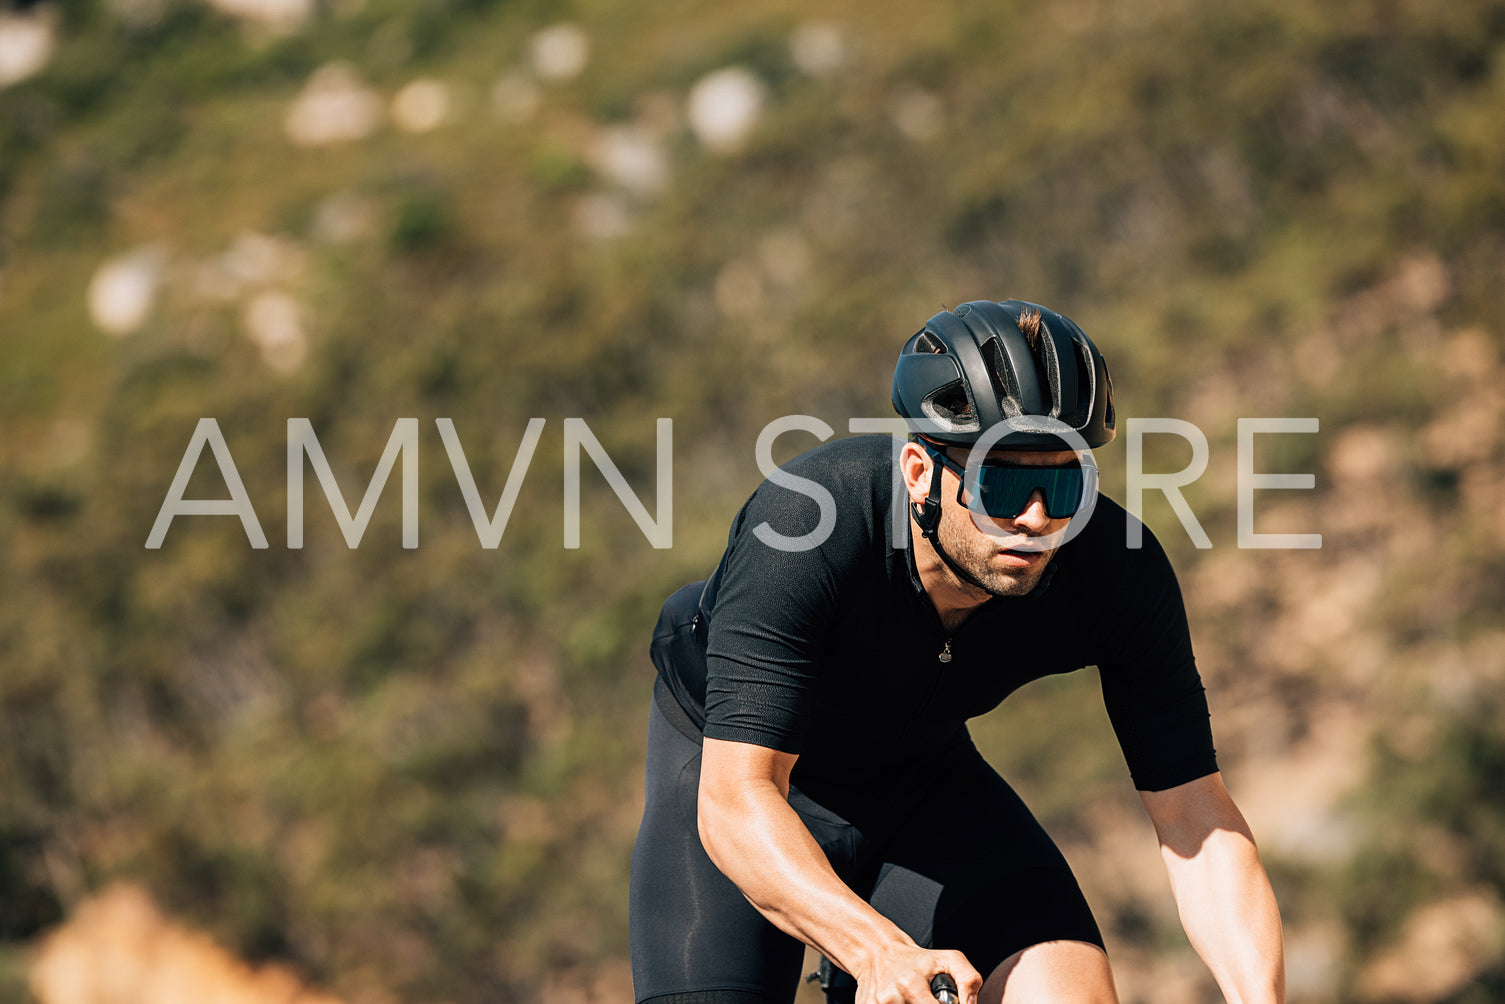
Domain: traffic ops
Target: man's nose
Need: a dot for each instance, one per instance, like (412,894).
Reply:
(1033,516)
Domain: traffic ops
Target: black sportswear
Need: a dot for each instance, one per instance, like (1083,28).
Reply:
(835,653)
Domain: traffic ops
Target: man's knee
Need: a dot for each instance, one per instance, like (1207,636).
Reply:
(1053,972)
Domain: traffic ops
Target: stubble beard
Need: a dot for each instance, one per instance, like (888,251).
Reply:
(973,550)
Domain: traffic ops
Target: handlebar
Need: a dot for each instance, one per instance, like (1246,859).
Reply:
(943,988)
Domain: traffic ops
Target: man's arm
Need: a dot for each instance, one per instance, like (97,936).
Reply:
(1224,897)
(760,843)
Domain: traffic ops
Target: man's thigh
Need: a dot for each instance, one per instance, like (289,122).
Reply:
(691,929)
(977,873)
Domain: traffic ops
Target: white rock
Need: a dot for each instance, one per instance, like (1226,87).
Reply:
(335,106)
(343,218)
(515,98)
(422,105)
(26,45)
(252,262)
(271,321)
(724,106)
(208,282)
(277,15)
(819,49)
(124,289)
(601,216)
(256,259)
(917,114)
(631,157)
(560,52)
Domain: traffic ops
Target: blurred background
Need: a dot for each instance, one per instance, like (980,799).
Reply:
(380,775)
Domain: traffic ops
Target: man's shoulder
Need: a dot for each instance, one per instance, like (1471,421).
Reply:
(834,499)
(858,457)
(853,469)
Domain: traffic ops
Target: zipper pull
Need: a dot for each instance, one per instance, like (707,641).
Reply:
(945,655)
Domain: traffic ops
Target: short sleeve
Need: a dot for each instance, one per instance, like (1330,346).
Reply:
(771,617)
(1151,687)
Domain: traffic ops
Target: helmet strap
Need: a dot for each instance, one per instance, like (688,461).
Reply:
(928,518)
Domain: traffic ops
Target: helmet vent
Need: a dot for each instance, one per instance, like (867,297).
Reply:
(926,342)
(1081,409)
(1050,392)
(1001,375)
(951,407)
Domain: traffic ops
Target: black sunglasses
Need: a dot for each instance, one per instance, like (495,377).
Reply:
(1002,490)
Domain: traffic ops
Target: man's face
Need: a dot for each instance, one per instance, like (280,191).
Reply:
(1008,561)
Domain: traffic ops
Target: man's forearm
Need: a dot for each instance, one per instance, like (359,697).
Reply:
(1229,912)
(760,843)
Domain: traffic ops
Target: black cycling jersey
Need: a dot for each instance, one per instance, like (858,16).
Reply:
(836,653)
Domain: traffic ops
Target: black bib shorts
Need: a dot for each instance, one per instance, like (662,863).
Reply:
(945,849)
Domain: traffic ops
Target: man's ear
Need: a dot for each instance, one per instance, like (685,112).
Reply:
(915,465)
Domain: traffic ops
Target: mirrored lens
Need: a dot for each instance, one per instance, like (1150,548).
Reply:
(1003,490)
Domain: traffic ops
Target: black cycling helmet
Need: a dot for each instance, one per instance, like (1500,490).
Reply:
(973,367)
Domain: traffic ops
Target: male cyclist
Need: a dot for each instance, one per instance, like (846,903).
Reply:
(810,776)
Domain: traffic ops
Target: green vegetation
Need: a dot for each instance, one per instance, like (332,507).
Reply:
(417,770)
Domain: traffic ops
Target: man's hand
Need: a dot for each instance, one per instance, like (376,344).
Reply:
(901,974)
